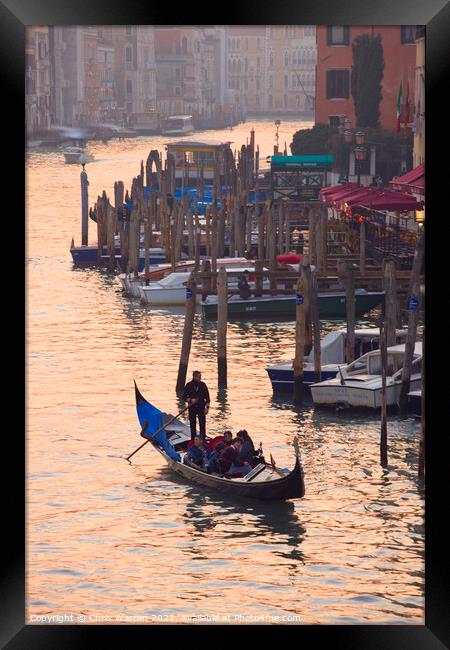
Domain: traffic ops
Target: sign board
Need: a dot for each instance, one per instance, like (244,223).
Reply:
(188,293)
(299,299)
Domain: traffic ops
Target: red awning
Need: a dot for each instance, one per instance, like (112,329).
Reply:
(388,200)
(340,192)
(412,181)
(351,197)
(331,189)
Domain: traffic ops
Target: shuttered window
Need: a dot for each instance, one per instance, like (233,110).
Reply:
(338,84)
(338,35)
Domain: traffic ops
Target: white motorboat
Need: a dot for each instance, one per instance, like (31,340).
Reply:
(171,290)
(359,383)
(332,353)
(178,125)
(77,155)
(132,285)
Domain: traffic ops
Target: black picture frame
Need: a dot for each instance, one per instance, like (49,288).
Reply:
(435,14)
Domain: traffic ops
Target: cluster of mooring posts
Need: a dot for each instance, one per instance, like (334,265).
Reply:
(238,219)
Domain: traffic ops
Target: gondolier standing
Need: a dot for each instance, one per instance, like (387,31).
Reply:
(196,394)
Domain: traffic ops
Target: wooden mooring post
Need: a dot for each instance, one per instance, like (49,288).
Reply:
(315,321)
(346,274)
(390,301)
(421,465)
(84,208)
(111,225)
(191,290)
(300,317)
(413,317)
(222,317)
(383,434)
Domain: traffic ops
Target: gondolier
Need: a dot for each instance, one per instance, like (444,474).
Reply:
(196,394)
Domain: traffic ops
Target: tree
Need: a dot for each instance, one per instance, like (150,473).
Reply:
(366,78)
(316,141)
(391,147)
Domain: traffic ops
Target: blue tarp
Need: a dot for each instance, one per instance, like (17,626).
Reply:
(202,200)
(154,417)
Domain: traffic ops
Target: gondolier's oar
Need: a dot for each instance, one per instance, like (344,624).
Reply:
(144,428)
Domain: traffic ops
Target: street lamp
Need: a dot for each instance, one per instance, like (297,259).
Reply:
(348,136)
(360,155)
(359,137)
(277,124)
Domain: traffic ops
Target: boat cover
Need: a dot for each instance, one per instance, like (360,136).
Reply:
(154,417)
(331,349)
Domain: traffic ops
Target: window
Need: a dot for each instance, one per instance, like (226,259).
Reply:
(271,58)
(128,29)
(128,54)
(408,33)
(334,120)
(270,101)
(257,83)
(285,81)
(338,35)
(338,84)
(258,65)
(286,58)
(145,54)
(246,65)
(129,87)
(177,91)
(246,43)
(285,101)
(238,43)
(257,100)
(246,84)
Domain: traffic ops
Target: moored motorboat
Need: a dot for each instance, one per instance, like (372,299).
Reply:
(333,352)
(415,403)
(132,285)
(331,305)
(171,290)
(265,481)
(359,383)
(77,155)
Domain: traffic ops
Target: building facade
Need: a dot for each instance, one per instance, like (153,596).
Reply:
(178,76)
(419,95)
(334,65)
(37,79)
(290,69)
(134,68)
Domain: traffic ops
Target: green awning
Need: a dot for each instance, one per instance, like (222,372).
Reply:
(301,162)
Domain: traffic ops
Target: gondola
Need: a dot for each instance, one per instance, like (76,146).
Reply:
(265,481)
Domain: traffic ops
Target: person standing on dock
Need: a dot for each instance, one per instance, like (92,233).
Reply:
(196,394)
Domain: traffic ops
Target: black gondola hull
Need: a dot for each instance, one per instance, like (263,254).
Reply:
(290,486)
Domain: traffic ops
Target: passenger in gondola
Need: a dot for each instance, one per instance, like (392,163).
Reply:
(213,462)
(247,449)
(229,461)
(198,455)
(227,438)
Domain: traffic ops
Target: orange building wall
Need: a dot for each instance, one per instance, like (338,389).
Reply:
(399,64)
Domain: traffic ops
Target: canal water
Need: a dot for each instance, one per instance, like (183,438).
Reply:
(109,541)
